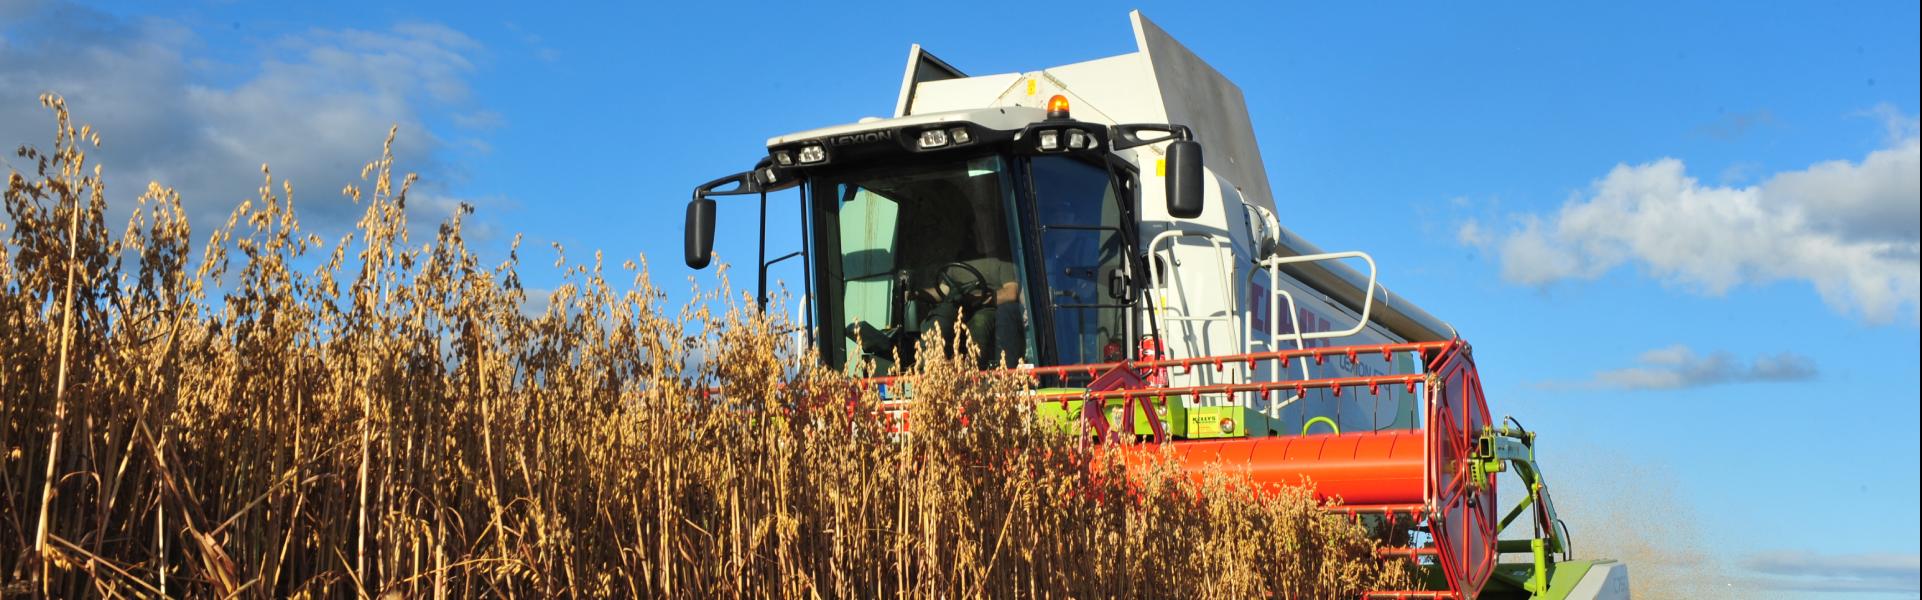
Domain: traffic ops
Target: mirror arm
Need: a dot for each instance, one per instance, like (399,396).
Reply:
(698,245)
(745,183)
(1129,136)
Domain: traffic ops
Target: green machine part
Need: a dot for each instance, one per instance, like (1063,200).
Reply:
(1547,571)
(1193,423)
(1566,582)
(1542,576)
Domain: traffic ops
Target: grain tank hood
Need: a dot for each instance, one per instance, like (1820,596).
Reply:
(1161,82)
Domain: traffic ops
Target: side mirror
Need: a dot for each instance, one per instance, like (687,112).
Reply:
(1183,174)
(700,232)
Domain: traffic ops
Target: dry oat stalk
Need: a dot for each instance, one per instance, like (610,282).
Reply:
(258,414)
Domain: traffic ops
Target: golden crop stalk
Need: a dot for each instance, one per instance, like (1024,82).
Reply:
(260,412)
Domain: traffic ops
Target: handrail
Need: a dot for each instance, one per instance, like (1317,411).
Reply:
(1319,355)
(1223,268)
(1274,320)
(1430,354)
(1374,383)
(1274,263)
(1335,384)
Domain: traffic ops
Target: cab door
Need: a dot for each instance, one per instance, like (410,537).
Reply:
(1081,255)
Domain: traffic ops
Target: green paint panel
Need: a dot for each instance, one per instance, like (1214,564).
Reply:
(1202,422)
(1208,422)
(1562,579)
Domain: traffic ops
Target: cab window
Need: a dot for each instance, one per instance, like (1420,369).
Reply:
(1079,221)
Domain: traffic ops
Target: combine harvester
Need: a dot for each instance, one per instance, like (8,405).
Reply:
(1066,217)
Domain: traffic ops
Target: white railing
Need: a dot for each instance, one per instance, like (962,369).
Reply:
(1244,331)
(1224,270)
(1272,267)
(1274,318)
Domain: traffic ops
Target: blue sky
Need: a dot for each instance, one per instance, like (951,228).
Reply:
(1682,239)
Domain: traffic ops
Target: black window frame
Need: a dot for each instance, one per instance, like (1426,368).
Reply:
(1124,180)
(826,238)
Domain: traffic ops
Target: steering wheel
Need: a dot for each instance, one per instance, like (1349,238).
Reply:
(972,292)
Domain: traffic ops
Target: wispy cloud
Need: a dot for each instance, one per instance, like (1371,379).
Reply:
(1810,572)
(1852,229)
(1472,233)
(535,44)
(314,104)
(1733,125)
(1678,367)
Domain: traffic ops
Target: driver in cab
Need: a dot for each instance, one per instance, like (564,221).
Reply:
(957,269)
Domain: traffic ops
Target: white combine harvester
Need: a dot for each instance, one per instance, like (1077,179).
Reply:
(1067,218)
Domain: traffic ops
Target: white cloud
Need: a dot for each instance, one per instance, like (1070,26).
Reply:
(1678,366)
(1471,233)
(316,106)
(1868,573)
(482,119)
(1853,230)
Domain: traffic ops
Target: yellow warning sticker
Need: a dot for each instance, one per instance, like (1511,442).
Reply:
(1161,167)
(1030,86)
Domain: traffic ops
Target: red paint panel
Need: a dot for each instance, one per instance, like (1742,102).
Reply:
(1358,468)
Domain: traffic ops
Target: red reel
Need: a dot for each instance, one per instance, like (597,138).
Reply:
(1465,519)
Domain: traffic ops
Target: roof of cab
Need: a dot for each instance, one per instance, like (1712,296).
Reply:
(1003,118)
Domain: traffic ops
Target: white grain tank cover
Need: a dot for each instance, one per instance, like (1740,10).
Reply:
(1164,82)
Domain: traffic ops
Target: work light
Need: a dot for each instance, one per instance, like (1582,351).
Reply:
(934,138)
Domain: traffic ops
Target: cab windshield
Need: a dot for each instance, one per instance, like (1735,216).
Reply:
(911,249)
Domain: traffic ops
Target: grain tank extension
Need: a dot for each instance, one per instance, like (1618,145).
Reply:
(1068,218)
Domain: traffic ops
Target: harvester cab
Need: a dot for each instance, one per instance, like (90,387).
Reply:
(1064,222)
